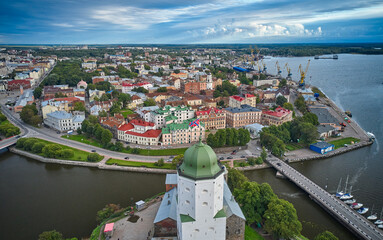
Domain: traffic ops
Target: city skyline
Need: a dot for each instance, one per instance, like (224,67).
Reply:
(190,22)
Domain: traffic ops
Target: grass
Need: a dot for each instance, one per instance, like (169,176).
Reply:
(251,234)
(79,155)
(294,146)
(341,142)
(146,152)
(5,122)
(138,164)
(126,112)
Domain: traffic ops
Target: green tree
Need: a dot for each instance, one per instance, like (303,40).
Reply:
(20,142)
(147,67)
(235,179)
(263,154)
(38,147)
(243,136)
(162,89)
(251,161)
(282,83)
(211,140)
(259,160)
(326,235)
(311,118)
(116,108)
(107,211)
(140,90)
(66,153)
(160,162)
(124,98)
(300,104)
(135,150)
(281,219)
(248,197)
(28,145)
(27,113)
(177,160)
(37,92)
(51,235)
(51,150)
(106,136)
(288,106)
(36,120)
(149,102)
(94,157)
(308,133)
(79,106)
(93,119)
(281,100)
(119,146)
(104,97)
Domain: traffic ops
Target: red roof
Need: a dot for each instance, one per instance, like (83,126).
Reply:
(208,111)
(238,98)
(125,84)
(149,133)
(69,99)
(141,123)
(126,127)
(109,227)
(279,112)
(249,95)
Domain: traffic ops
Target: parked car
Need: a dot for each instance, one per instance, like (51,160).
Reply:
(126,157)
(229,157)
(221,158)
(233,153)
(169,160)
(279,164)
(93,150)
(243,156)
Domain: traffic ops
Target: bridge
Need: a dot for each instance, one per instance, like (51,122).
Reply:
(12,140)
(352,220)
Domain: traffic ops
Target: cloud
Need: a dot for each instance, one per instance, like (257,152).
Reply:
(64,25)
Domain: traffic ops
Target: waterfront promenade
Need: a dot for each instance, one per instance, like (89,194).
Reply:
(352,220)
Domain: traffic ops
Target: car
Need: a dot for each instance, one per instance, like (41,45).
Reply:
(58,132)
(258,149)
(229,157)
(233,153)
(279,164)
(169,160)
(243,156)
(221,158)
(17,136)
(93,150)
(126,157)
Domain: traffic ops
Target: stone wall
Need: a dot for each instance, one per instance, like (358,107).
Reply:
(165,228)
(235,228)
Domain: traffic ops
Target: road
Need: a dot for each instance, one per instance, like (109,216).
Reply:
(339,210)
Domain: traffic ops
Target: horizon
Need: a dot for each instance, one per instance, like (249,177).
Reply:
(87,22)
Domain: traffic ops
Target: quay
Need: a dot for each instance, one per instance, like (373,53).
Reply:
(352,220)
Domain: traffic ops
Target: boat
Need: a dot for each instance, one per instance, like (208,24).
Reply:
(380,221)
(362,210)
(373,215)
(346,196)
(350,201)
(371,136)
(356,205)
(339,193)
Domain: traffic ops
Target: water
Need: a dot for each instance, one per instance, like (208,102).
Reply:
(36,197)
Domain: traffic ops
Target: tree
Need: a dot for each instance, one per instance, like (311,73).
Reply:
(251,161)
(235,179)
(300,104)
(60,95)
(38,147)
(211,140)
(51,150)
(162,89)
(107,211)
(149,102)
(119,146)
(263,154)
(28,145)
(36,120)
(135,150)
(66,153)
(93,119)
(288,106)
(311,118)
(248,197)
(124,98)
(147,67)
(308,133)
(177,160)
(243,136)
(282,83)
(176,71)
(94,157)
(281,100)
(326,235)
(79,106)
(106,136)
(160,162)
(20,142)
(37,92)
(104,97)
(140,90)
(51,235)
(259,160)
(281,219)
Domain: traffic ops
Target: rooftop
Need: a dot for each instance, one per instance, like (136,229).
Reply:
(244,108)
(279,112)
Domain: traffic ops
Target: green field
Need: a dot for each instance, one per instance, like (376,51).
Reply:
(146,152)
(126,112)
(138,164)
(251,234)
(341,142)
(293,146)
(79,155)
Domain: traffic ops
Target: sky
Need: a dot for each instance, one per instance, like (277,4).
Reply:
(189,22)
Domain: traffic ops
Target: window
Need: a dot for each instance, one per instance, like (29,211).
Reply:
(187,202)
(204,204)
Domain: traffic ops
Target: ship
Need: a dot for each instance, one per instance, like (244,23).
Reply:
(322,57)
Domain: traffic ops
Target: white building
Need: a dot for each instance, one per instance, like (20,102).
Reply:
(139,132)
(63,121)
(203,207)
(169,114)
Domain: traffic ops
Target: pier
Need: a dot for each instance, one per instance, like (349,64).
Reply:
(352,220)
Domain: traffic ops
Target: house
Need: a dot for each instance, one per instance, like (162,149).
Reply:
(213,118)
(322,147)
(63,121)
(26,98)
(144,112)
(180,133)
(82,84)
(95,94)
(113,123)
(309,99)
(272,82)
(326,131)
(248,99)
(324,116)
(277,117)
(135,101)
(99,106)
(245,115)
(139,132)
(199,205)
(180,113)
(16,84)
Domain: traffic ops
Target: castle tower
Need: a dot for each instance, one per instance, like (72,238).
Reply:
(200,211)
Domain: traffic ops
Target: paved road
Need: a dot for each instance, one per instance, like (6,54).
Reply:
(342,212)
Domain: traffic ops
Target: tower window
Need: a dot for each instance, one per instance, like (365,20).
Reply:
(204,191)
(187,189)
(187,202)
(204,204)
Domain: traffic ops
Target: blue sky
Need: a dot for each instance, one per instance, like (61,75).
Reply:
(168,21)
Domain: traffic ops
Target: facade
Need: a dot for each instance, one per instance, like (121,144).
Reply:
(213,118)
(139,132)
(113,123)
(239,117)
(277,117)
(248,99)
(63,121)
(193,87)
(201,205)
(169,114)
(26,98)
(180,133)
(16,84)
(322,147)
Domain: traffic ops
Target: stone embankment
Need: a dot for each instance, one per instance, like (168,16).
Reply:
(338,151)
(99,165)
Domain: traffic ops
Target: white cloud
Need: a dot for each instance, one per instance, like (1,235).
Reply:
(65,25)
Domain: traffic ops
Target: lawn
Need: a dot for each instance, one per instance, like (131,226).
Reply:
(79,155)
(146,152)
(126,112)
(294,146)
(138,164)
(341,142)
(4,122)
(251,234)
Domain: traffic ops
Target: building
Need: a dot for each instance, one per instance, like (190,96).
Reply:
(16,84)
(95,95)
(193,87)
(113,123)
(324,116)
(200,205)
(63,121)
(254,129)
(169,114)
(82,84)
(139,132)
(26,98)
(277,117)
(248,99)
(272,82)
(213,118)
(245,115)
(181,133)
(99,106)
(89,65)
(144,112)
(322,147)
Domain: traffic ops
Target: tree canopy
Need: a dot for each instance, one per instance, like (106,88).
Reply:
(326,235)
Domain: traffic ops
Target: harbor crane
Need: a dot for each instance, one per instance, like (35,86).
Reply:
(288,69)
(303,74)
(279,71)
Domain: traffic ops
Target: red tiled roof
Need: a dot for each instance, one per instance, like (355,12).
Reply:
(216,110)
(249,95)
(141,123)
(279,112)
(148,134)
(69,99)
(238,98)
(126,127)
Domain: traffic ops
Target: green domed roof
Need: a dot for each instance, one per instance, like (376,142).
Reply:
(200,161)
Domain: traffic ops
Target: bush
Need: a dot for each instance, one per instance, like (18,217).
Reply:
(251,161)
(28,145)
(127,148)
(160,162)
(94,157)
(107,211)
(38,147)
(66,153)
(51,235)
(135,151)
(52,150)
(259,160)
(20,143)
